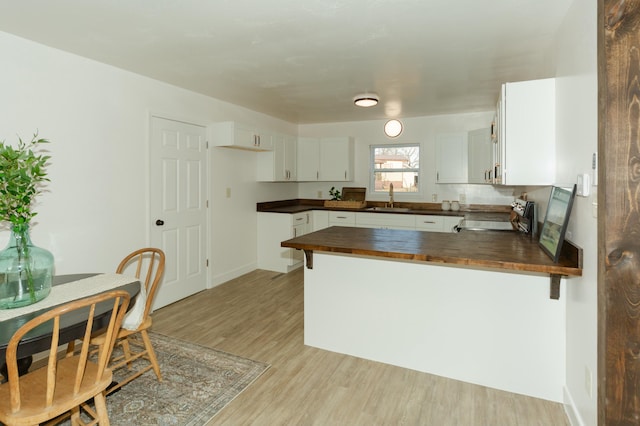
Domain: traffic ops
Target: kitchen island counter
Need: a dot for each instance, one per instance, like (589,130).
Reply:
(483,249)
(471,306)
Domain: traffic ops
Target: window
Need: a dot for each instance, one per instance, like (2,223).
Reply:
(395,164)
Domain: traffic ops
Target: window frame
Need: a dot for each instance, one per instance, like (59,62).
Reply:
(372,172)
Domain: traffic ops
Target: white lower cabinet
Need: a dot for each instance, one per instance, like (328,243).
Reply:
(339,218)
(385,221)
(430,223)
(320,220)
(273,228)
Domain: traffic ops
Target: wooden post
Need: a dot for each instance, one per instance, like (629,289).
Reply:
(619,212)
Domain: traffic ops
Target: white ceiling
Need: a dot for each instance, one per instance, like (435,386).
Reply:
(305,60)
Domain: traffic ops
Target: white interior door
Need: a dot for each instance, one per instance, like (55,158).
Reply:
(178,169)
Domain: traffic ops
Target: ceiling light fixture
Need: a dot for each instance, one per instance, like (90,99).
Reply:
(365,101)
(393,128)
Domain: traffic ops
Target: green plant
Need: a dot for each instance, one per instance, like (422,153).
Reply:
(22,174)
(335,194)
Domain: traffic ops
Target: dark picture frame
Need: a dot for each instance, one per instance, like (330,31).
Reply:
(556,220)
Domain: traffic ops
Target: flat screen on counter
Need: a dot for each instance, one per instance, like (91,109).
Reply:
(556,220)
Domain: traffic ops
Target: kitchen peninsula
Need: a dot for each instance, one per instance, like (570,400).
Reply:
(472,306)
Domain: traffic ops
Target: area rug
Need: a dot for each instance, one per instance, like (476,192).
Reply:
(197,382)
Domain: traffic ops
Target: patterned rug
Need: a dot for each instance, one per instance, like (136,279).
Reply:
(197,382)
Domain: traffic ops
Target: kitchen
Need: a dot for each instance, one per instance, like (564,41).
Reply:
(102,95)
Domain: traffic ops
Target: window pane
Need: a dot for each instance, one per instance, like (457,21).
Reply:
(397,157)
(402,181)
(397,164)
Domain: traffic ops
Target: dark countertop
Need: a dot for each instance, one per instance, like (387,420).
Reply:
(471,212)
(481,249)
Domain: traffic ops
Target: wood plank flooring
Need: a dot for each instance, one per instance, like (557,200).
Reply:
(260,316)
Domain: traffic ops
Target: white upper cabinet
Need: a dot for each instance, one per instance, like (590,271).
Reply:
(526,133)
(480,149)
(451,158)
(232,134)
(308,159)
(325,159)
(278,165)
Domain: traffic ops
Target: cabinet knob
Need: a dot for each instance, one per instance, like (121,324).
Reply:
(159,222)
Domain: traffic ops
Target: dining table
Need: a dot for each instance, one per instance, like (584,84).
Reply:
(65,288)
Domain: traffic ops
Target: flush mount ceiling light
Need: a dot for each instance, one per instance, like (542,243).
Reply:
(393,128)
(365,101)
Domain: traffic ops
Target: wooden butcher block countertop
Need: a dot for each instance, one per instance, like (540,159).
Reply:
(505,250)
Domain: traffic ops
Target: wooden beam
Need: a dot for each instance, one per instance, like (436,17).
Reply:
(619,212)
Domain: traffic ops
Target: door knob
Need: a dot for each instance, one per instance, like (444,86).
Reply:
(159,222)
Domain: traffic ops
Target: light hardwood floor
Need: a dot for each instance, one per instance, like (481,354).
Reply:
(260,316)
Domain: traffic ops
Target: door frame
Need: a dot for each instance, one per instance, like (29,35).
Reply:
(208,187)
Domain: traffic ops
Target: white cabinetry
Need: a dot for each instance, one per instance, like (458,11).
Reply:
(480,149)
(325,159)
(273,228)
(451,158)
(525,144)
(430,223)
(339,218)
(308,159)
(232,134)
(278,165)
(385,221)
(320,220)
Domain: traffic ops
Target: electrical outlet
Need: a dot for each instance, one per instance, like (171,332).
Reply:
(228,192)
(588,381)
(319,194)
(463,198)
(434,197)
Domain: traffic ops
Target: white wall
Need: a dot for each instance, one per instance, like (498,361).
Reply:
(577,136)
(96,117)
(493,328)
(418,129)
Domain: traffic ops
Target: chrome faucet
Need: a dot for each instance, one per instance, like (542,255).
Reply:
(391,195)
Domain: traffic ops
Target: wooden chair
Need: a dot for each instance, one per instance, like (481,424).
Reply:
(149,267)
(67,383)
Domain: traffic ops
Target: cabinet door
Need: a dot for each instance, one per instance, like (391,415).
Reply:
(278,165)
(290,157)
(339,218)
(320,220)
(480,156)
(336,159)
(451,158)
(308,167)
(238,135)
(528,132)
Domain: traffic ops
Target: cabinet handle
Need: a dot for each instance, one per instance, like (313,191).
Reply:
(317,174)
(299,218)
(258,137)
(437,176)
(345,175)
(341,217)
(428,221)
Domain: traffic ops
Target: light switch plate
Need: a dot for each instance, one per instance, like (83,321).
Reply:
(583,185)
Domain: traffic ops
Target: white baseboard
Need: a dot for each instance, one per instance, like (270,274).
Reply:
(218,279)
(570,409)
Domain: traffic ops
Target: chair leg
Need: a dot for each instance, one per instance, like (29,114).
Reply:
(75,416)
(126,351)
(101,409)
(151,353)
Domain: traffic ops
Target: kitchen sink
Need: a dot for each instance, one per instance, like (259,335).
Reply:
(388,209)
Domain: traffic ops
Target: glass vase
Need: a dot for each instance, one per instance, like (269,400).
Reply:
(26,271)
